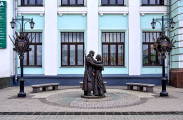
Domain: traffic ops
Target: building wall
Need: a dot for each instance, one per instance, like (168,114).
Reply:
(52,19)
(6,55)
(177,33)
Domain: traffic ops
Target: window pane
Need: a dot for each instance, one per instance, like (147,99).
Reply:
(74,37)
(153,56)
(78,37)
(151,37)
(104,2)
(25,58)
(40,37)
(111,37)
(122,37)
(103,37)
(66,37)
(31,2)
(70,37)
(120,2)
(115,37)
(147,37)
(152,2)
(113,54)
(80,55)
(64,2)
(112,2)
(72,2)
(39,54)
(24,2)
(145,54)
(144,1)
(72,55)
(39,2)
(37,38)
(64,55)
(118,37)
(33,37)
(62,38)
(31,55)
(105,54)
(143,37)
(154,37)
(159,60)
(29,36)
(82,37)
(80,2)
(107,37)
(120,55)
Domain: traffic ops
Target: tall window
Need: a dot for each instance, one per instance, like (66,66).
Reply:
(31,2)
(34,57)
(72,2)
(112,2)
(150,56)
(152,2)
(72,49)
(113,48)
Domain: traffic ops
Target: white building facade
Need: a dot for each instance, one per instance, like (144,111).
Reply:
(66,30)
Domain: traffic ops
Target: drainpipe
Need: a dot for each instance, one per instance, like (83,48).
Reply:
(168,34)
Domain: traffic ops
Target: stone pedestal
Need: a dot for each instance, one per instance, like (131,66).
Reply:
(176,77)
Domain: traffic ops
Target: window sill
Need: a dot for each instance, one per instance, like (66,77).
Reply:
(114,67)
(72,67)
(152,66)
(31,67)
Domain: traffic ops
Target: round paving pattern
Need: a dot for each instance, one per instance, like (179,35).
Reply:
(71,98)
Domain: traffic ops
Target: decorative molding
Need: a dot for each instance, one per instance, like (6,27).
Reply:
(31,10)
(153,10)
(72,10)
(113,10)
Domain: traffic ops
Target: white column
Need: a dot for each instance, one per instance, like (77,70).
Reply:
(134,38)
(6,55)
(51,38)
(92,26)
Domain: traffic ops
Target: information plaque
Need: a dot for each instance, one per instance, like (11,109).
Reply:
(2,24)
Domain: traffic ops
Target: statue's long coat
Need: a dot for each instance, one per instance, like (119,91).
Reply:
(88,80)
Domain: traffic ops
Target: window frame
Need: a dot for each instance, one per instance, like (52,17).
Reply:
(116,1)
(29,4)
(148,4)
(149,50)
(35,51)
(76,50)
(116,44)
(76,1)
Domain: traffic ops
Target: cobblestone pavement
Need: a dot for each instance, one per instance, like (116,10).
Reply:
(95,117)
(68,100)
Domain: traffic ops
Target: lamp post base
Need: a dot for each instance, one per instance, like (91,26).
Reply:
(163,94)
(21,94)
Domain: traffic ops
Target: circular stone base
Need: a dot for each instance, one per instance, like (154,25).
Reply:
(92,97)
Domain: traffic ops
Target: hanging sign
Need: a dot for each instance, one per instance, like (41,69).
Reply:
(2,24)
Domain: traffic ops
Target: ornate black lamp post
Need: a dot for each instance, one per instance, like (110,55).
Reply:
(163,45)
(21,46)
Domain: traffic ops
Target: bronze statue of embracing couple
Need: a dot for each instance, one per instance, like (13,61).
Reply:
(93,80)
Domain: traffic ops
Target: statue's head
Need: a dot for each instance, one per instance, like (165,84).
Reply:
(98,57)
(92,53)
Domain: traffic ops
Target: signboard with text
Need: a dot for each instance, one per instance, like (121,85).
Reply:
(2,24)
